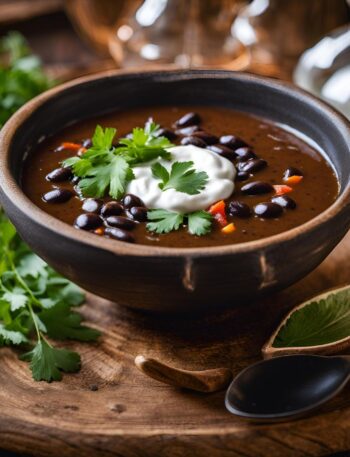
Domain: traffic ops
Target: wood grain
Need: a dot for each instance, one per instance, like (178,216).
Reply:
(20,10)
(111,409)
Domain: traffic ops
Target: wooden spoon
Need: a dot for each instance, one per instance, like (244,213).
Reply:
(201,381)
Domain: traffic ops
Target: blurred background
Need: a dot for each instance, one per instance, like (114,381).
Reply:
(307,41)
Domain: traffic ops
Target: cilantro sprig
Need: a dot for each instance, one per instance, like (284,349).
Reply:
(36,304)
(21,75)
(163,221)
(182,177)
(107,169)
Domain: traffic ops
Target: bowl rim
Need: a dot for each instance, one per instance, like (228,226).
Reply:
(22,203)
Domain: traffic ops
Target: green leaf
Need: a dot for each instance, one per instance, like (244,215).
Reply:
(32,265)
(199,223)
(182,178)
(121,174)
(318,322)
(61,323)
(103,139)
(21,75)
(11,337)
(16,300)
(161,173)
(47,362)
(163,221)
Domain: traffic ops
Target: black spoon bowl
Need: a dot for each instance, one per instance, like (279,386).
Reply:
(286,387)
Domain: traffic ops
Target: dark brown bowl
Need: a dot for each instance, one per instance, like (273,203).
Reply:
(169,279)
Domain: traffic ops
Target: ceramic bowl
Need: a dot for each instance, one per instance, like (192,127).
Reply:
(176,279)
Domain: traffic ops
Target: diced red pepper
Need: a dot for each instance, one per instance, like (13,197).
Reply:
(71,146)
(221,219)
(282,189)
(218,210)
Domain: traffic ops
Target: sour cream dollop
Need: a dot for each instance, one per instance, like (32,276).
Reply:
(220,185)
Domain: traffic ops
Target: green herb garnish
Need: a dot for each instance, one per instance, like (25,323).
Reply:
(163,221)
(199,223)
(36,303)
(182,177)
(318,322)
(105,168)
(21,75)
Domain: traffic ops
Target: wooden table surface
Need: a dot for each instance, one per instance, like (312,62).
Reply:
(111,409)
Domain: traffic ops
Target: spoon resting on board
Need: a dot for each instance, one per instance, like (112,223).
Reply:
(286,387)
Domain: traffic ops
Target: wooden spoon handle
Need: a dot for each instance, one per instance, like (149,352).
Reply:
(201,381)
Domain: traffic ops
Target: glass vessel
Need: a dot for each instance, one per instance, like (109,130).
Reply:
(278,31)
(185,33)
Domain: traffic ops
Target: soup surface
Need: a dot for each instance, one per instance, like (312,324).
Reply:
(262,151)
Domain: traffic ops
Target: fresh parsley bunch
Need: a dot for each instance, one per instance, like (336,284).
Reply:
(36,304)
(21,75)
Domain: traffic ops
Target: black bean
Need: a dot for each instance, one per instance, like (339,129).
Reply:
(242,176)
(291,171)
(257,188)
(87,143)
(119,234)
(111,208)
(58,196)
(188,130)
(284,201)
(193,140)
(208,138)
(268,210)
(222,150)
(239,209)
(120,222)
(232,141)
(188,119)
(59,175)
(167,133)
(88,221)
(243,154)
(75,180)
(138,213)
(92,205)
(131,200)
(252,165)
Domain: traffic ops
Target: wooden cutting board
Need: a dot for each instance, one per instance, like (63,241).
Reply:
(111,409)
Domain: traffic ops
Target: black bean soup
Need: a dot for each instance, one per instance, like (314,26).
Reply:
(281,180)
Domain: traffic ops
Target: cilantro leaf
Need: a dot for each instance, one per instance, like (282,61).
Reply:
(16,299)
(103,139)
(121,174)
(318,322)
(11,336)
(182,177)
(163,221)
(106,169)
(21,75)
(32,265)
(62,323)
(47,362)
(34,301)
(160,172)
(145,145)
(199,223)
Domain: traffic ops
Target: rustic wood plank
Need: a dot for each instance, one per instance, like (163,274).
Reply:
(133,415)
(20,10)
